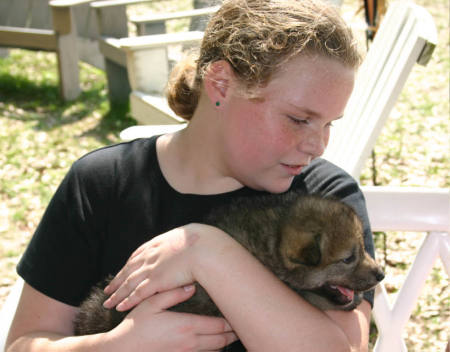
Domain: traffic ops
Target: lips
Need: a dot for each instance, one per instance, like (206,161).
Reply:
(293,169)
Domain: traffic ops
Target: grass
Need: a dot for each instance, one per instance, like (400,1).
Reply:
(41,136)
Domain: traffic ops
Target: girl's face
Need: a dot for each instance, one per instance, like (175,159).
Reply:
(267,142)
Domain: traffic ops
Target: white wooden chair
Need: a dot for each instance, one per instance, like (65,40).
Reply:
(47,26)
(147,103)
(113,23)
(156,23)
(406,35)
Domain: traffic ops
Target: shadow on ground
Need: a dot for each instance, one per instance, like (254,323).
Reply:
(27,100)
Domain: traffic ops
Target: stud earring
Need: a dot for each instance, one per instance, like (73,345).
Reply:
(217,103)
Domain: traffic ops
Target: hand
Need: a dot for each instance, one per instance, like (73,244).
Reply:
(151,327)
(158,265)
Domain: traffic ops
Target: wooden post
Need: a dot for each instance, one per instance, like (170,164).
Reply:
(67,53)
(112,22)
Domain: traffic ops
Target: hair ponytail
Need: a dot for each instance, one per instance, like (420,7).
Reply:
(183,89)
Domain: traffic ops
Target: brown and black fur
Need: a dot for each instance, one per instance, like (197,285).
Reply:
(312,244)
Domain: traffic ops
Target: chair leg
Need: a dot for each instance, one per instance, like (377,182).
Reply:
(68,66)
(118,85)
(67,52)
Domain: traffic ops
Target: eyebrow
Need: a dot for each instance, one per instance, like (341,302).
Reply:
(312,112)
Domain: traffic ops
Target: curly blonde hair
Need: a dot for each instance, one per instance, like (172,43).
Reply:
(256,37)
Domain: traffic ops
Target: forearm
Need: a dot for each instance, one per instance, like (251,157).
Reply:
(356,325)
(265,314)
(50,342)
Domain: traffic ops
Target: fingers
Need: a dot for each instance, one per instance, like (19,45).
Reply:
(213,333)
(216,342)
(121,276)
(164,300)
(203,333)
(132,265)
(133,291)
(126,282)
(141,292)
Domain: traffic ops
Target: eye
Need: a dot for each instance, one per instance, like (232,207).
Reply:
(349,259)
(298,121)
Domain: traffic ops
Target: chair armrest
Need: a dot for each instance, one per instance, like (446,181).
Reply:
(112,3)
(158,17)
(68,3)
(408,208)
(159,40)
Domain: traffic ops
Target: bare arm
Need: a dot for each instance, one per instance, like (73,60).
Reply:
(265,314)
(44,324)
(355,324)
(269,316)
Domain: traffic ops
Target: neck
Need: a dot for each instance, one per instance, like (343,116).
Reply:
(191,159)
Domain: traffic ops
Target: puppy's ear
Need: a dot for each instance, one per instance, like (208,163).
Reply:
(310,254)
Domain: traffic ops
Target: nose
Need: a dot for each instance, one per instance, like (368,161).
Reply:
(314,144)
(379,275)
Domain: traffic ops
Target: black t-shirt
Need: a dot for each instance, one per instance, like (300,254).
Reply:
(114,199)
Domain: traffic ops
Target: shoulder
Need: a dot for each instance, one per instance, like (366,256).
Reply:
(326,178)
(109,169)
(118,160)
(121,154)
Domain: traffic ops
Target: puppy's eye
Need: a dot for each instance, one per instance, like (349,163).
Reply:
(349,259)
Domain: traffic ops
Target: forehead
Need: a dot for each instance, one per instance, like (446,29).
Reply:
(305,69)
(313,82)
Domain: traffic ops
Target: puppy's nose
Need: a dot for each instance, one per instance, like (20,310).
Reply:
(379,275)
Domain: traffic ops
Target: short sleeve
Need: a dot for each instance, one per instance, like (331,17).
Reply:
(60,260)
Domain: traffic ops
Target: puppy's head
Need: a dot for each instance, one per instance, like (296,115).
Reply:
(322,249)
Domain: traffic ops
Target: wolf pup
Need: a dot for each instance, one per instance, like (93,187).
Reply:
(314,245)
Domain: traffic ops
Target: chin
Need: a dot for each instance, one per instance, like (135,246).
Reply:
(279,187)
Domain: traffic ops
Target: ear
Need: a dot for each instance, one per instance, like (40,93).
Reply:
(218,80)
(310,254)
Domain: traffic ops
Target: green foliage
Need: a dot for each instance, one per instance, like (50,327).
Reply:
(41,136)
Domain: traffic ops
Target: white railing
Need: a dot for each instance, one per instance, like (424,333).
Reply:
(408,209)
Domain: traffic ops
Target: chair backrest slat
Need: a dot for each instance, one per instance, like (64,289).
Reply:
(403,35)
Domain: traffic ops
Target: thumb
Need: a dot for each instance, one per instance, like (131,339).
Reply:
(166,299)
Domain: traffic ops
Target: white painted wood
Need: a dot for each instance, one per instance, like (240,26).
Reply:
(148,73)
(405,32)
(148,70)
(152,110)
(110,48)
(160,40)
(391,320)
(153,22)
(408,208)
(68,3)
(68,63)
(88,51)
(61,38)
(134,132)
(113,3)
